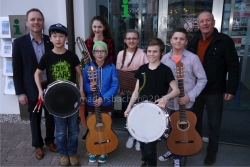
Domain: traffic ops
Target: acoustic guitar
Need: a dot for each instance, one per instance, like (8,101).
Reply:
(101,139)
(183,138)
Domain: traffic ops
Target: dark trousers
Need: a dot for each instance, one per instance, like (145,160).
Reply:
(214,107)
(149,153)
(125,102)
(35,124)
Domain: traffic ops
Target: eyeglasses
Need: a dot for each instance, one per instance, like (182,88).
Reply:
(133,39)
(99,51)
(205,21)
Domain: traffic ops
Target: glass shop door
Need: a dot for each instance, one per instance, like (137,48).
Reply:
(140,15)
(180,13)
(236,23)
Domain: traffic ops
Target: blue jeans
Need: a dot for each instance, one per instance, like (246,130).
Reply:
(214,107)
(67,130)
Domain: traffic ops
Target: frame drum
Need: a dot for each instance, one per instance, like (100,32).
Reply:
(62,98)
(147,122)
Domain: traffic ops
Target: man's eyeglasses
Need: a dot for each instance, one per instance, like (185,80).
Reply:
(131,39)
(99,51)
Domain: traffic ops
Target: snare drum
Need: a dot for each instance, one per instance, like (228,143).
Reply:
(62,98)
(147,122)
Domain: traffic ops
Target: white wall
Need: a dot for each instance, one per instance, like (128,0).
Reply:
(84,11)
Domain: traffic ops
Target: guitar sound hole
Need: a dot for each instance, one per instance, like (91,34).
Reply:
(100,127)
(183,125)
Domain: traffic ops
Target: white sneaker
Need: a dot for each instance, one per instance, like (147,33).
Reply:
(177,163)
(137,146)
(166,156)
(130,142)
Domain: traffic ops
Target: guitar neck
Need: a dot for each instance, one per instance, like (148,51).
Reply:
(97,109)
(182,108)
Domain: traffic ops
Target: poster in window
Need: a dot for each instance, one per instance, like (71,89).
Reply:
(9,88)
(4,27)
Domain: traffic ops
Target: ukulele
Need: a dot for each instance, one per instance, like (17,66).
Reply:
(183,138)
(101,139)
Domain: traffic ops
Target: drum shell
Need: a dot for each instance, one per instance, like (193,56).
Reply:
(147,122)
(62,98)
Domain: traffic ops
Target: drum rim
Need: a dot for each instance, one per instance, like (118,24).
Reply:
(58,82)
(76,92)
(165,113)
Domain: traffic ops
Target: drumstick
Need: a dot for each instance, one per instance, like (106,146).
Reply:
(35,107)
(38,104)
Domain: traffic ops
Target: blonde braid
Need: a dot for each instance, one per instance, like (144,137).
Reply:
(132,57)
(124,54)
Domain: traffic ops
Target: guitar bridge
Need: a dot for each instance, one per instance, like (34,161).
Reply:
(101,142)
(184,141)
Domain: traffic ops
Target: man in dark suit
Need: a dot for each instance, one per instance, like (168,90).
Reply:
(27,52)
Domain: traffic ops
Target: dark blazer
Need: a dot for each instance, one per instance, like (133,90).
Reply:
(24,64)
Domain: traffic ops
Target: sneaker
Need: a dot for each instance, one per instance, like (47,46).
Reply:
(64,161)
(177,163)
(166,156)
(85,135)
(210,159)
(73,160)
(103,158)
(143,163)
(130,142)
(92,157)
(137,146)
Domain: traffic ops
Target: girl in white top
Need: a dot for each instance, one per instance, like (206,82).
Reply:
(130,59)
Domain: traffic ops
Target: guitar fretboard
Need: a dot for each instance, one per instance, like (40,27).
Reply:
(97,109)
(182,94)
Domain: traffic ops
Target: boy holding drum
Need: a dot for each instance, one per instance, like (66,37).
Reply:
(153,82)
(62,64)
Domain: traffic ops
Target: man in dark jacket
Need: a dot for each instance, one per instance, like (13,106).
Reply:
(219,57)
(27,52)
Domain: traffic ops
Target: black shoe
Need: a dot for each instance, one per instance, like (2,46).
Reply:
(84,136)
(210,159)
(144,163)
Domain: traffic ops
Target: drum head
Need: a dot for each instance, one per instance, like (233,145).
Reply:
(62,99)
(147,122)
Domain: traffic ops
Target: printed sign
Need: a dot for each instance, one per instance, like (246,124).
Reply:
(17,25)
